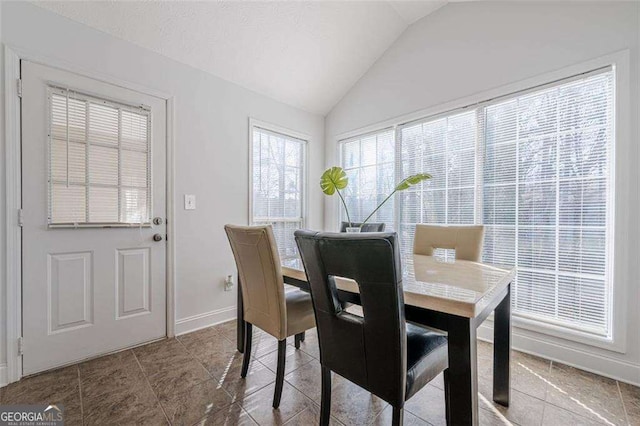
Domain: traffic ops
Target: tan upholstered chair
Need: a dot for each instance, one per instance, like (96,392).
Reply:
(266,304)
(466,240)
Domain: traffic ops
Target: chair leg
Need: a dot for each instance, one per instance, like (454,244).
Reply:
(248,337)
(325,400)
(298,338)
(398,415)
(447,407)
(282,351)
(302,336)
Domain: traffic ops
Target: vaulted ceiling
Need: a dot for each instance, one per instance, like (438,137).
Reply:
(305,53)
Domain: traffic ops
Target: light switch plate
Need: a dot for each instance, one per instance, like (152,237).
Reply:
(189,202)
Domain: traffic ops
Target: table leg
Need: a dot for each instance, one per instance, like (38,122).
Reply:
(240,324)
(502,351)
(463,372)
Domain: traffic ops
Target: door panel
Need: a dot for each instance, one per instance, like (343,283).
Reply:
(89,290)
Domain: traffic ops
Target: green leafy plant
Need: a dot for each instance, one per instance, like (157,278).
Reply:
(334,179)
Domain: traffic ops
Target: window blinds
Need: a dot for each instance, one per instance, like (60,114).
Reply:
(278,182)
(99,161)
(444,147)
(546,199)
(369,163)
(535,168)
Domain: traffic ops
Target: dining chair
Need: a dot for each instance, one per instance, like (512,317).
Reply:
(266,304)
(466,240)
(367,227)
(378,351)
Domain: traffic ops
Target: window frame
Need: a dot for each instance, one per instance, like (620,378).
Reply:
(620,166)
(253,124)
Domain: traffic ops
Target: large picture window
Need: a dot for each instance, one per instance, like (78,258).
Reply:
(535,168)
(278,186)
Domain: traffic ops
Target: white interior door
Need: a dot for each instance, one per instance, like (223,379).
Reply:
(93,180)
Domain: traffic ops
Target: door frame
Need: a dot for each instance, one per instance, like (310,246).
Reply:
(12,371)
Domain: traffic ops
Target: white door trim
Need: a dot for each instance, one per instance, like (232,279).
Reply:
(12,162)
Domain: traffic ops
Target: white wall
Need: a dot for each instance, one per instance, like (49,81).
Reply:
(211,146)
(468,48)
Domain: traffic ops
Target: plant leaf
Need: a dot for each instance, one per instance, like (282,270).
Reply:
(412,180)
(333,179)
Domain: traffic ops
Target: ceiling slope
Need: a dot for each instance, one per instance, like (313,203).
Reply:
(305,54)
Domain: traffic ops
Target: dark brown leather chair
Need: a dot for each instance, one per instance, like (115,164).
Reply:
(380,351)
(367,227)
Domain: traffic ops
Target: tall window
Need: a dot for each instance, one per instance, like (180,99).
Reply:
(546,199)
(99,161)
(278,186)
(535,168)
(445,147)
(369,164)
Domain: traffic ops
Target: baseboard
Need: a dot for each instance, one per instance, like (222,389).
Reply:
(576,357)
(206,319)
(4,375)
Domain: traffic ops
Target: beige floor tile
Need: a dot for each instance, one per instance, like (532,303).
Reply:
(233,415)
(429,405)
(257,378)
(178,378)
(197,404)
(631,400)
(556,416)
(259,405)
(350,404)
(134,405)
(161,355)
(495,418)
(523,409)
(586,394)
(385,418)
(310,416)
(58,386)
(294,359)
(529,374)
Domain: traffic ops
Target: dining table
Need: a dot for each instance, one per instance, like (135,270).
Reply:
(454,296)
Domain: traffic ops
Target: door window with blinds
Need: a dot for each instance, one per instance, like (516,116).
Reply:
(278,186)
(536,169)
(99,161)
(368,162)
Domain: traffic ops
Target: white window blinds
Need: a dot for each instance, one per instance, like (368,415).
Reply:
(278,186)
(99,161)
(369,163)
(546,199)
(445,147)
(536,169)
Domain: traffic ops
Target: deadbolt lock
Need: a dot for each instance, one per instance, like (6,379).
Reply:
(157,221)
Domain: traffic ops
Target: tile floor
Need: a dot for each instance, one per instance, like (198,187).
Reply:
(195,379)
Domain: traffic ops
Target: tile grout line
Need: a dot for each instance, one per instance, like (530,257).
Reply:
(80,392)
(624,406)
(146,379)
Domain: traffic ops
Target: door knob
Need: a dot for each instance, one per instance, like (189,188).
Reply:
(157,237)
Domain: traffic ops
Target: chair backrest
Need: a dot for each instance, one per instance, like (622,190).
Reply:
(258,262)
(465,240)
(367,227)
(369,350)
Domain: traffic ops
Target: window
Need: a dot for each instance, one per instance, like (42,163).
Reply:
(536,169)
(99,161)
(546,199)
(445,147)
(278,186)
(369,164)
